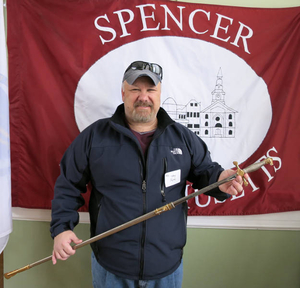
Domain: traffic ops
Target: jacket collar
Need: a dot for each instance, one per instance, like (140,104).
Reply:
(164,119)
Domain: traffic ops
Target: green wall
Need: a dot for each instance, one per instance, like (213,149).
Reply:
(213,258)
(242,259)
(29,242)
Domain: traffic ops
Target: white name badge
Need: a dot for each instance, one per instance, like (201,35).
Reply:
(172,178)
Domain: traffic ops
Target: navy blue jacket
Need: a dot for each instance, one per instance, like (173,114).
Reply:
(125,186)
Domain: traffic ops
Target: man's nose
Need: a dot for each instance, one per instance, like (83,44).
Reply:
(143,95)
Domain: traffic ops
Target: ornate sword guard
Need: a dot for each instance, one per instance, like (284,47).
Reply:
(251,168)
(240,172)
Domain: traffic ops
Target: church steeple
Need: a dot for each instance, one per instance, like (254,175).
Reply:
(218,93)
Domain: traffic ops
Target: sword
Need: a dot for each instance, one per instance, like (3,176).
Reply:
(158,211)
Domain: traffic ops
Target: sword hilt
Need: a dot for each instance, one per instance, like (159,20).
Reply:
(240,172)
(251,168)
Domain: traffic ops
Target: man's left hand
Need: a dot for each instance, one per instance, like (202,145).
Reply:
(232,187)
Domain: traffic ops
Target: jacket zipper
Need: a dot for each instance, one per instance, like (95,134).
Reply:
(144,190)
(162,185)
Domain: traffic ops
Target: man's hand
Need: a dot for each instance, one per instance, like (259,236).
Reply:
(233,187)
(62,248)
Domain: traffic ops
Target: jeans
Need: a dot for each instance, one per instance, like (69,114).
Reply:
(104,279)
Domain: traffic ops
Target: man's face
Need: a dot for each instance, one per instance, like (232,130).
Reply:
(141,100)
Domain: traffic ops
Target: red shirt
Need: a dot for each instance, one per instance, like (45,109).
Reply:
(144,139)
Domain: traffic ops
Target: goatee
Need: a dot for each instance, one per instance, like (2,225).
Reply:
(142,116)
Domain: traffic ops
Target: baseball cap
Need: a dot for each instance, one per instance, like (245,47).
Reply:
(140,68)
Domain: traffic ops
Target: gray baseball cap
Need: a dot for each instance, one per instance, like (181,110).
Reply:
(139,68)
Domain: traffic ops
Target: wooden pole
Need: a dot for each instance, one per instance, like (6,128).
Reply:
(1,271)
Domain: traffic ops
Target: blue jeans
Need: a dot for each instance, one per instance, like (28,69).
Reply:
(104,279)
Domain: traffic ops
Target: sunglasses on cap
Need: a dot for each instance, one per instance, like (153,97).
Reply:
(141,65)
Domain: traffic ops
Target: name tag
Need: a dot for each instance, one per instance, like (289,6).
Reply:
(172,178)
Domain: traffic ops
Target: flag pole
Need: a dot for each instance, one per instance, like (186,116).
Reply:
(153,213)
(1,270)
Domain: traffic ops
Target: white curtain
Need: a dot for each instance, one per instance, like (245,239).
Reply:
(5,189)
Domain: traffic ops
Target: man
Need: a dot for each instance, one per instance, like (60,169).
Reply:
(136,161)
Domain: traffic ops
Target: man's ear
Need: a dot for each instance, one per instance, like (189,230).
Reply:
(123,92)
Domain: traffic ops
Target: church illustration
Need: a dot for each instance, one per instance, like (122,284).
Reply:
(215,121)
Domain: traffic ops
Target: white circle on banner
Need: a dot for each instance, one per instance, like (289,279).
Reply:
(207,88)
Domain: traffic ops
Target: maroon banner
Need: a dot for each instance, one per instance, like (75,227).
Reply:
(231,75)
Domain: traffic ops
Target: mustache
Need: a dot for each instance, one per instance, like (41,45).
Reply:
(142,104)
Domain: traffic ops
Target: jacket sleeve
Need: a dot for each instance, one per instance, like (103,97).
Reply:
(72,181)
(204,171)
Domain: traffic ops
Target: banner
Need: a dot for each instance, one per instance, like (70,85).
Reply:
(231,75)
(5,191)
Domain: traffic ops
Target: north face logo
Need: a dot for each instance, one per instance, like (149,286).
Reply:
(176,151)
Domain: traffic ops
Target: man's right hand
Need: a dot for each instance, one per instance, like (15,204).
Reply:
(62,248)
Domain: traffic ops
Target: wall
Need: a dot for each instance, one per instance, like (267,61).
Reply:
(213,258)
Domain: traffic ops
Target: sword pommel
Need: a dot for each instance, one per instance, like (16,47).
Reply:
(269,161)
